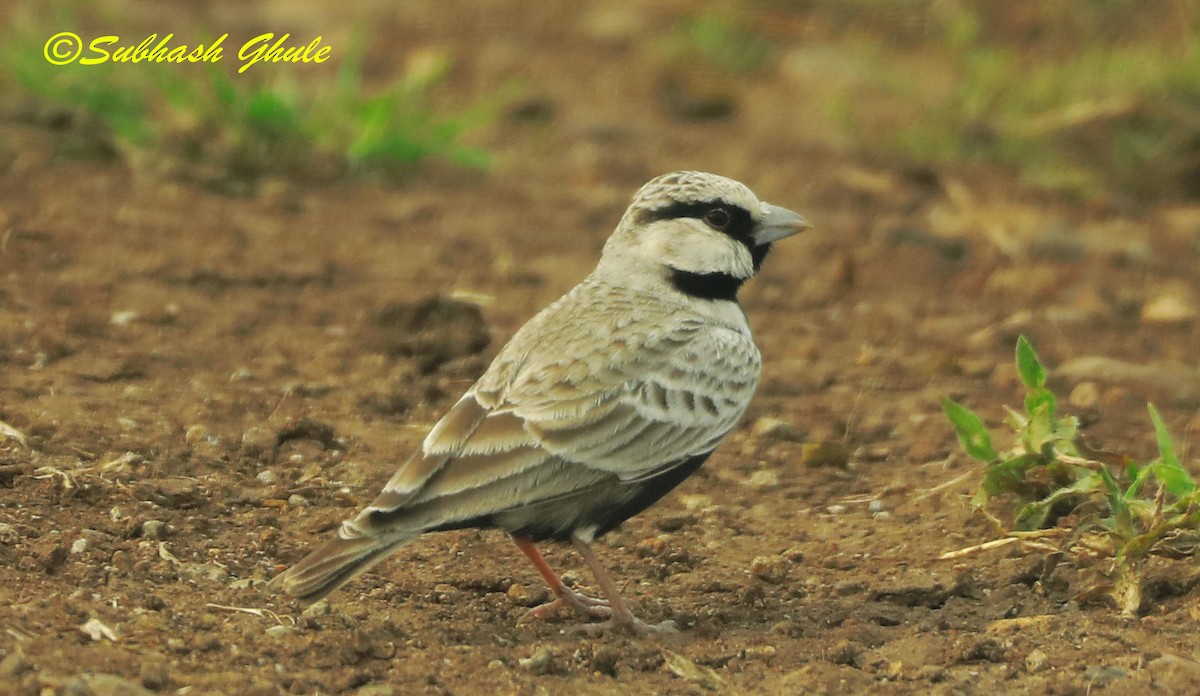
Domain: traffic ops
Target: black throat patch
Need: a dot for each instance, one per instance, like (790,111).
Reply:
(706,286)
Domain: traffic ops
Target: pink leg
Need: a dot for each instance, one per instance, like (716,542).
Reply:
(565,597)
(622,618)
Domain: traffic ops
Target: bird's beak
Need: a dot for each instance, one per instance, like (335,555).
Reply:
(778,223)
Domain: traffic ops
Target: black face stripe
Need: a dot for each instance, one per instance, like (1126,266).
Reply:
(740,227)
(706,286)
(758,254)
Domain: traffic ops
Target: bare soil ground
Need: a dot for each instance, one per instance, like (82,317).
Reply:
(209,384)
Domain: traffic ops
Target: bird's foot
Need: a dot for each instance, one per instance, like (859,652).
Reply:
(587,607)
(629,625)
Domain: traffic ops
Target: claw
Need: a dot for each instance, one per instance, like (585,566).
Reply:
(571,601)
(629,625)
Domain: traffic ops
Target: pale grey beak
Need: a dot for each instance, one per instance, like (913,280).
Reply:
(778,223)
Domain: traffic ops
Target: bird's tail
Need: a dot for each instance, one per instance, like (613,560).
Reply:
(334,564)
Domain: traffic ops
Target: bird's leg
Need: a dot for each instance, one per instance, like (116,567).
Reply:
(564,597)
(622,618)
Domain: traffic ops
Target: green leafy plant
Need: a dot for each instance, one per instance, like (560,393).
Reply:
(1118,507)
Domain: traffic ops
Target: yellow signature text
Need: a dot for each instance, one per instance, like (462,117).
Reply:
(67,47)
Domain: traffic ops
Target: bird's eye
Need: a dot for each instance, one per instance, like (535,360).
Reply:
(717,218)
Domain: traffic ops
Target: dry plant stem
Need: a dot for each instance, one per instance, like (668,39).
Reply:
(945,485)
(1128,589)
(1012,538)
(253,611)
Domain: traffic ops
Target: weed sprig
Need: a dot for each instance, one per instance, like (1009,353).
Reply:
(1121,508)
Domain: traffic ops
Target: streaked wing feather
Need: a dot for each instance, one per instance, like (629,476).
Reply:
(678,400)
(557,427)
(475,470)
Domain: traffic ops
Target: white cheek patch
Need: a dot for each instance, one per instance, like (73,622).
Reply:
(687,244)
(658,246)
(743,265)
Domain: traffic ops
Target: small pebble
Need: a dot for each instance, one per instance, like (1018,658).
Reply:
(763,478)
(774,428)
(846,588)
(674,523)
(108,685)
(266,476)
(79,546)
(844,652)
(1036,661)
(241,374)
(195,434)
(8,534)
(318,608)
(828,453)
(297,500)
(874,453)
(875,506)
(1084,395)
(540,662)
(122,318)
(520,596)
(257,441)
(154,675)
(206,571)
(772,569)
(155,530)
(604,661)
(760,652)
(835,509)
(1169,308)
(280,631)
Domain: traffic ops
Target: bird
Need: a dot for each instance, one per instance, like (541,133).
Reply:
(601,404)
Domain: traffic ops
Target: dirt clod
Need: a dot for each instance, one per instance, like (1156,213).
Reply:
(434,331)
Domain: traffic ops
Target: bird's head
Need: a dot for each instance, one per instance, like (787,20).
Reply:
(707,234)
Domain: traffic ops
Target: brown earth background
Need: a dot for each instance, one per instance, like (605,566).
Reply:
(210,376)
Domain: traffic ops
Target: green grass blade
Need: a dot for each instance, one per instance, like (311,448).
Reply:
(1168,470)
(1034,515)
(972,434)
(1030,369)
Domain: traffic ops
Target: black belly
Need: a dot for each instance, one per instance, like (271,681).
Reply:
(604,506)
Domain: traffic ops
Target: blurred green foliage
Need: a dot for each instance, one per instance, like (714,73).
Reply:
(240,127)
(721,41)
(1109,107)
